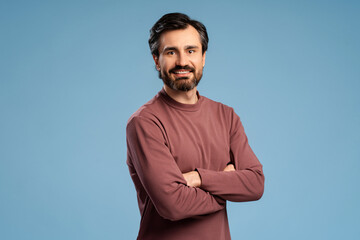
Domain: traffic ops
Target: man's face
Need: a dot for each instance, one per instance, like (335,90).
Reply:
(180,62)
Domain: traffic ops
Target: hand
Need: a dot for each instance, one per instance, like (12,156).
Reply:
(192,179)
(229,168)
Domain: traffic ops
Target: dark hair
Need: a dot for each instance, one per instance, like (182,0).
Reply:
(175,21)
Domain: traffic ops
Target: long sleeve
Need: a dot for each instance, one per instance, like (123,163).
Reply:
(161,177)
(246,183)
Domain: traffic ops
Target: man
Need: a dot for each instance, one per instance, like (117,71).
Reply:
(187,154)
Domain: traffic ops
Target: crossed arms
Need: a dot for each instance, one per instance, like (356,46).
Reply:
(193,177)
(178,195)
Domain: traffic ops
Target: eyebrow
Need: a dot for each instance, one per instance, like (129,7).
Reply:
(175,49)
(169,49)
(191,47)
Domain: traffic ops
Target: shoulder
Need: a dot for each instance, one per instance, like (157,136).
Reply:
(216,105)
(147,112)
(223,112)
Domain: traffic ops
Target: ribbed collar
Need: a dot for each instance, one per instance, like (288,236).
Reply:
(181,106)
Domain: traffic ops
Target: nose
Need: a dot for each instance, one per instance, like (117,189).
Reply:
(182,60)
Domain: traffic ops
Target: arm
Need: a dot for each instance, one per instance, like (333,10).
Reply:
(193,178)
(246,183)
(160,175)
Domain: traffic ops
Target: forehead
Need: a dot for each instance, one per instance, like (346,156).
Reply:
(180,38)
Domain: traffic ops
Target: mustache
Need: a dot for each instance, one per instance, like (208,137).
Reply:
(186,67)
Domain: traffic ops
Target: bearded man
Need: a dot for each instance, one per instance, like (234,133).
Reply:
(187,155)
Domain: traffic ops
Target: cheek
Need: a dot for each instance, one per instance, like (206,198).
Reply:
(199,65)
(166,63)
(199,61)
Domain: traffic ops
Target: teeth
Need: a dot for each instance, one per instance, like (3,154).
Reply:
(181,72)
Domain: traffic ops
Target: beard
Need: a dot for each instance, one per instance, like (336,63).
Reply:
(183,83)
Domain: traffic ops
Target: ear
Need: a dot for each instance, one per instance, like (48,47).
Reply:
(203,58)
(156,60)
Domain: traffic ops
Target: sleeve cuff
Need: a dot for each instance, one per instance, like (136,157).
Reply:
(206,177)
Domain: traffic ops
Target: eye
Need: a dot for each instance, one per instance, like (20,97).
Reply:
(170,53)
(191,51)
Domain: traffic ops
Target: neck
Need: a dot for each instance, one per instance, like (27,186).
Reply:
(186,97)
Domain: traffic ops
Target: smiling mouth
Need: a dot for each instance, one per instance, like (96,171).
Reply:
(181,72)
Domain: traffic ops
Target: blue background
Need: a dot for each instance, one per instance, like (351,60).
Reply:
(72,73)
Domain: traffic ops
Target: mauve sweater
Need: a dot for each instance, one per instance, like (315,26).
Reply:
(166,138)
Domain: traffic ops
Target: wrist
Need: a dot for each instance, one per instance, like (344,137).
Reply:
(196,180)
